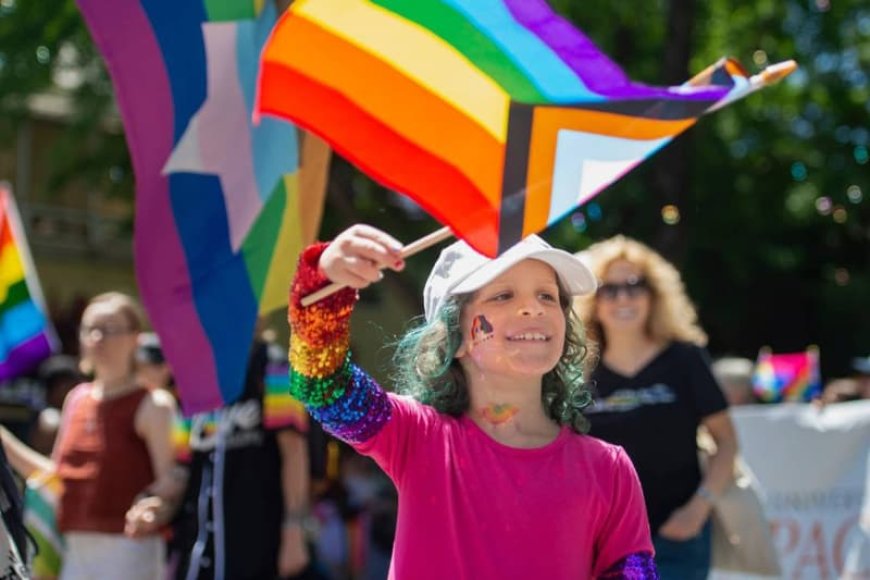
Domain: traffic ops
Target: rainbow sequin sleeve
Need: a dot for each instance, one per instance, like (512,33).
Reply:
(348,402)
(639,566)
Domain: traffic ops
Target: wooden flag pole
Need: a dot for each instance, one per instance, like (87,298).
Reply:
(409,250)
(774,73)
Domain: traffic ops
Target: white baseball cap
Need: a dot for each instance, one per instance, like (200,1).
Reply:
(460,270)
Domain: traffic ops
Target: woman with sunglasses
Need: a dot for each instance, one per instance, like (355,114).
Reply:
(653,389)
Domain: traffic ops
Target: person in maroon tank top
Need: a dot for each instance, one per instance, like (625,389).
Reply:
(113,452)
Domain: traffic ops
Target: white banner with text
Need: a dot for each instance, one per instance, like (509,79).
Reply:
(812,467)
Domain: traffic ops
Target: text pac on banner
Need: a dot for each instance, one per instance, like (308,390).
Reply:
(812,466)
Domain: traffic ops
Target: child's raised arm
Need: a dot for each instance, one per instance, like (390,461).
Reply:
(345,400)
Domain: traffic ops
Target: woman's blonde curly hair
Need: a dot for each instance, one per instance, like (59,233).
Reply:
(672,314)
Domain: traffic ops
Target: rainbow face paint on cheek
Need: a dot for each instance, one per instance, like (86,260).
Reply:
(481,330)
(499,414)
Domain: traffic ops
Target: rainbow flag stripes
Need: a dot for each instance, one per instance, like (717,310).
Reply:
(792,377)
(181,438)
(26,336)
(497,116)
(281,410)
(41,494)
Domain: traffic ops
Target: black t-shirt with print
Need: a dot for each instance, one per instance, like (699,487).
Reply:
(655,415)
(230,519)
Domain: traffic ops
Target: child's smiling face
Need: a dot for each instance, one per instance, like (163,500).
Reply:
(515,324)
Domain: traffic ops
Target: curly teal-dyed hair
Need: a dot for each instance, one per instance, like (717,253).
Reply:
(427,369)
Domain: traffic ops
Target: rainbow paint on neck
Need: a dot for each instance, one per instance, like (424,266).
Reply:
(499,414)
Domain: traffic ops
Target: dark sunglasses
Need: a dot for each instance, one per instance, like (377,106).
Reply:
(632,288)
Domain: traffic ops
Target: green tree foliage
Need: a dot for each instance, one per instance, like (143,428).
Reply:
(782,213)
(46,49)
(774,222)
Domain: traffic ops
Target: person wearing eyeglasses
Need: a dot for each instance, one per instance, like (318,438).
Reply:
(653,388)
(113,451)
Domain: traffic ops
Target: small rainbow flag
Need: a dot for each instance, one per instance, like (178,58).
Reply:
(41,493)
(181,438)
(496,116)
(792,377)
(222,207)
(26,335)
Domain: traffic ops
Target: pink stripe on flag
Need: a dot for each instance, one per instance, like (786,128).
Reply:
(124,34)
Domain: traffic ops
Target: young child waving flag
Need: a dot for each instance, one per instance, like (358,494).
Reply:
(495,476)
